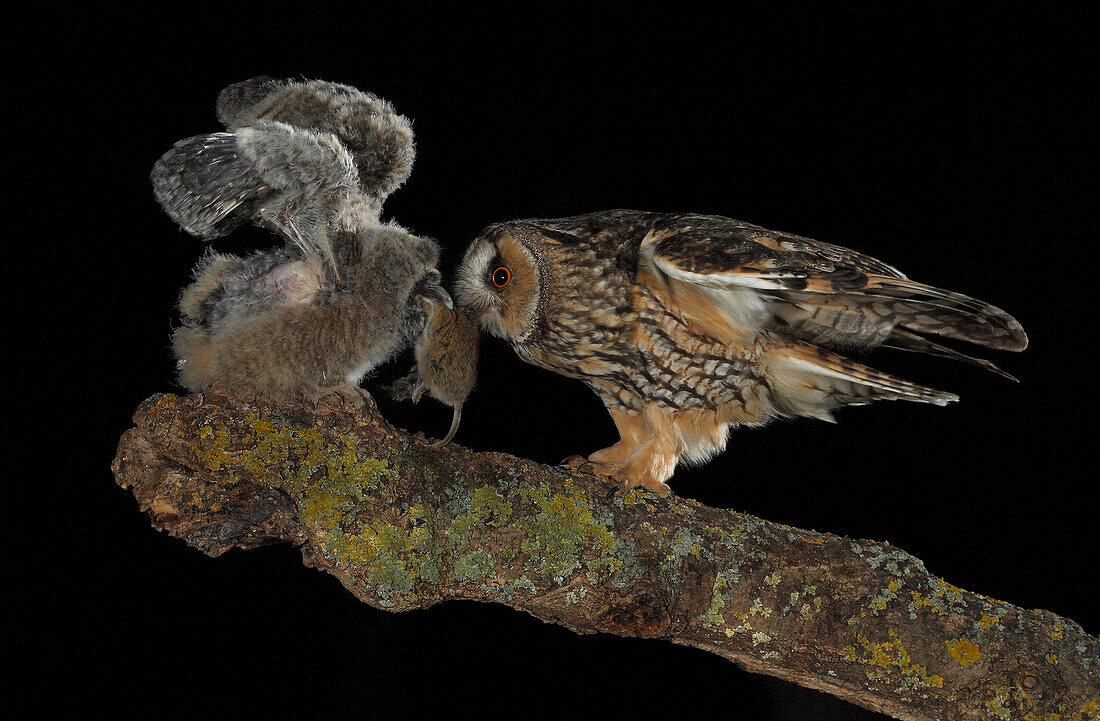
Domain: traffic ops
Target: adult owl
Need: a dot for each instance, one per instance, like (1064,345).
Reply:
(686,325)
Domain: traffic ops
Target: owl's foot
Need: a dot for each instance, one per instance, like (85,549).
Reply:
(627,476)
(644,480)
(354,396)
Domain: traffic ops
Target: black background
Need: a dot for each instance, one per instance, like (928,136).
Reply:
(946,142)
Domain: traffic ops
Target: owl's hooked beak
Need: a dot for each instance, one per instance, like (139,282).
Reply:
(431,290)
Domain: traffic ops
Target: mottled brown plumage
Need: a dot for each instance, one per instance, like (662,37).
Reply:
(686,325)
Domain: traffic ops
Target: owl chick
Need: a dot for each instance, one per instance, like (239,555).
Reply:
(685,325)
(343,293)
(446,362)
(278,324)
(296,156)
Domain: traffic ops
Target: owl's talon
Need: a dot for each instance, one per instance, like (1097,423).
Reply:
(355,396)
(653,486)
(573,461)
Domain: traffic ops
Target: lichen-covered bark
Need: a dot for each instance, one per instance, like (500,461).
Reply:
(405,526)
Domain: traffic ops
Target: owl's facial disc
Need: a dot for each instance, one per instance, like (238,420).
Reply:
(499,281)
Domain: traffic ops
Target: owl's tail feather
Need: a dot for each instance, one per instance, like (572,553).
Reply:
(929,309)
(901,339)
(205,186)
(809,381)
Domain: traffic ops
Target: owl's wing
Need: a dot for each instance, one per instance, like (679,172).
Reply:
(203,184)
(822,293)
(284,177)
(235,103)
(378,138)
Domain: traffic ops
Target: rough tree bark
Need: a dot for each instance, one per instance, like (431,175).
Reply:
(406,526)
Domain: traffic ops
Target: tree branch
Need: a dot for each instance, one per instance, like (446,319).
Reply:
(405,526)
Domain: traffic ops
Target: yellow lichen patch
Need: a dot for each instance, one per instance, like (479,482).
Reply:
(988,621)
(1025,701)
(773,579)
(892,655)
(814,539)
(1091,709)
(943,588)
(293,458)
(214,454)
(1052,659)
(963,651)
(997,707)
(327,479)
(920,601)
(760,637)
(163,401)
(1056,634)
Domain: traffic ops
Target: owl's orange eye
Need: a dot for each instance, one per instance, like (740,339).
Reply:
(501,276)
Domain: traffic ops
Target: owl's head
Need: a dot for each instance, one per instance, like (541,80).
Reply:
(499,281)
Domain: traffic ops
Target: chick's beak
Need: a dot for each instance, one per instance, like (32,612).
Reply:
(430,289)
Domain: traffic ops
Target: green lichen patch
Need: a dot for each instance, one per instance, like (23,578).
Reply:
(484,508)
(552,533)
(880,600)
(757,608)
(330,479)
(505,591)
(562,534)
(473,565)
(712,617)
(390,559)
(286,456)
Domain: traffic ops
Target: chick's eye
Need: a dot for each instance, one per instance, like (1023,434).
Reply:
(501,276)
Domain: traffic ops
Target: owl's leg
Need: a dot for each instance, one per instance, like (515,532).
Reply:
(632,431)
(642,457)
